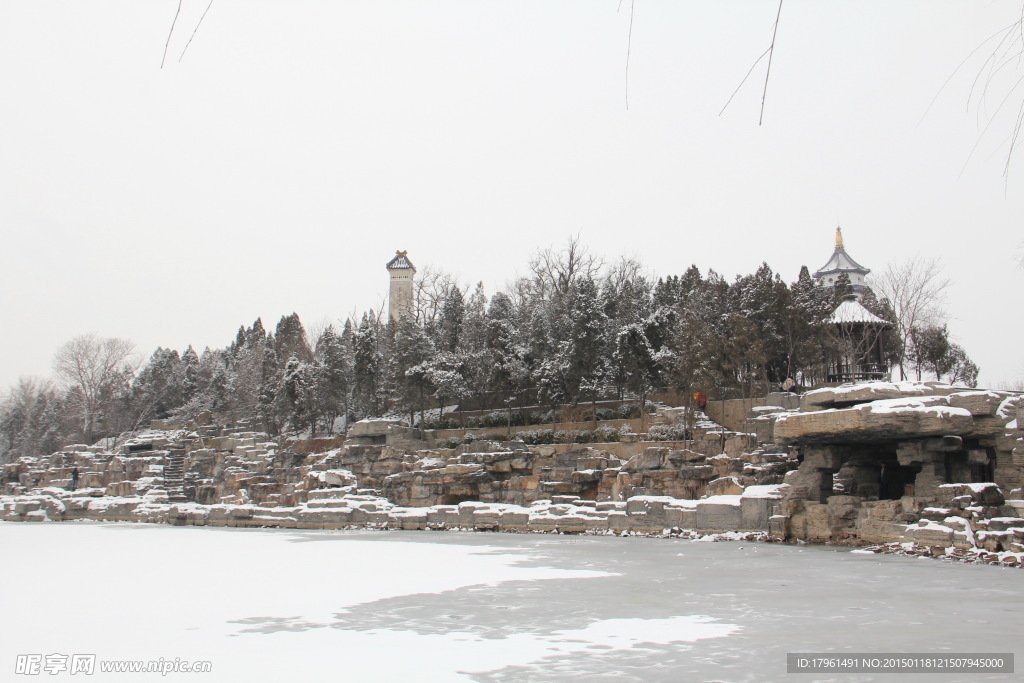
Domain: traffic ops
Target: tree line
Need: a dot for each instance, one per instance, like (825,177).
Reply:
(573,330)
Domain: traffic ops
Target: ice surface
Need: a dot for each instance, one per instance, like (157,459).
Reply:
(274,605)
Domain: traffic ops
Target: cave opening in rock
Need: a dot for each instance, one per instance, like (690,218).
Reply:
(873,472)
(455,499)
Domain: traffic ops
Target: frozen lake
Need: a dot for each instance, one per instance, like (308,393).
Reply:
(283,605)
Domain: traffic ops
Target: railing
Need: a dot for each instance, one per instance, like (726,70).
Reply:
(854,372)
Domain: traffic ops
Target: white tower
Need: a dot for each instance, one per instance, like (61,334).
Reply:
(841,262)
(400,298)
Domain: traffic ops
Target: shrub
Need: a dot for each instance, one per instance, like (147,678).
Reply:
(536,437)
(502,418)
(494,436)
(471,438)
(606,434)
(674,432)
(629,411)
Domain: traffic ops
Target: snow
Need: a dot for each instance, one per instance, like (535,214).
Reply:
(265,605)
(957,523)
(783,417)
(928,525)
(979,392)
(840,261)
(1016,522)
(936,405)
(721,500)
(767,409)
(764,491)
(111,501)
(854,312)
(190,592)
(475,505)
(656,499)
(874,387)
(1008,407)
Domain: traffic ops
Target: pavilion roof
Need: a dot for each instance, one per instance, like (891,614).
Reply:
(851,311)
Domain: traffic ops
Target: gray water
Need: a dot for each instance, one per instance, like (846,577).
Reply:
(784,599)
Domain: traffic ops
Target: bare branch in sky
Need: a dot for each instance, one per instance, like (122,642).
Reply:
(750,71)
(196,29)
(768,71)
(1008,50)
(170,33)
(770,52)
(629,45)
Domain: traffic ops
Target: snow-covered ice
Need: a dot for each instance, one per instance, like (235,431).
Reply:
(272,605)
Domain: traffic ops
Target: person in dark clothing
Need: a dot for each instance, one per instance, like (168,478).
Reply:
(884,477)
(74,479)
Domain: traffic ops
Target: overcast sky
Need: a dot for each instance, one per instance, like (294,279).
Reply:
(280,163)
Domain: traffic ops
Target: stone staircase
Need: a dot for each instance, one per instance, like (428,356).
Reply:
(174,476)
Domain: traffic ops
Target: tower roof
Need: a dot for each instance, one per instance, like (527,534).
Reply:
(841,262)
(400,261)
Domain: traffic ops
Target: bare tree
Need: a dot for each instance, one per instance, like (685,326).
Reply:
(554,271)
(431,288)
(916,290)
(626,269)
(316,330)
(92,369)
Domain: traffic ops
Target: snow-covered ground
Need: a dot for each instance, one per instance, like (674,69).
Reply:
(282,605)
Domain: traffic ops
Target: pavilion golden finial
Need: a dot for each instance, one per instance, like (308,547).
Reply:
(839,237)
(403,254)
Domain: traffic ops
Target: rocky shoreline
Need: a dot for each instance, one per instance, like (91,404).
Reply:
(637,517)
(470,519)
(649,515)
(893,468)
